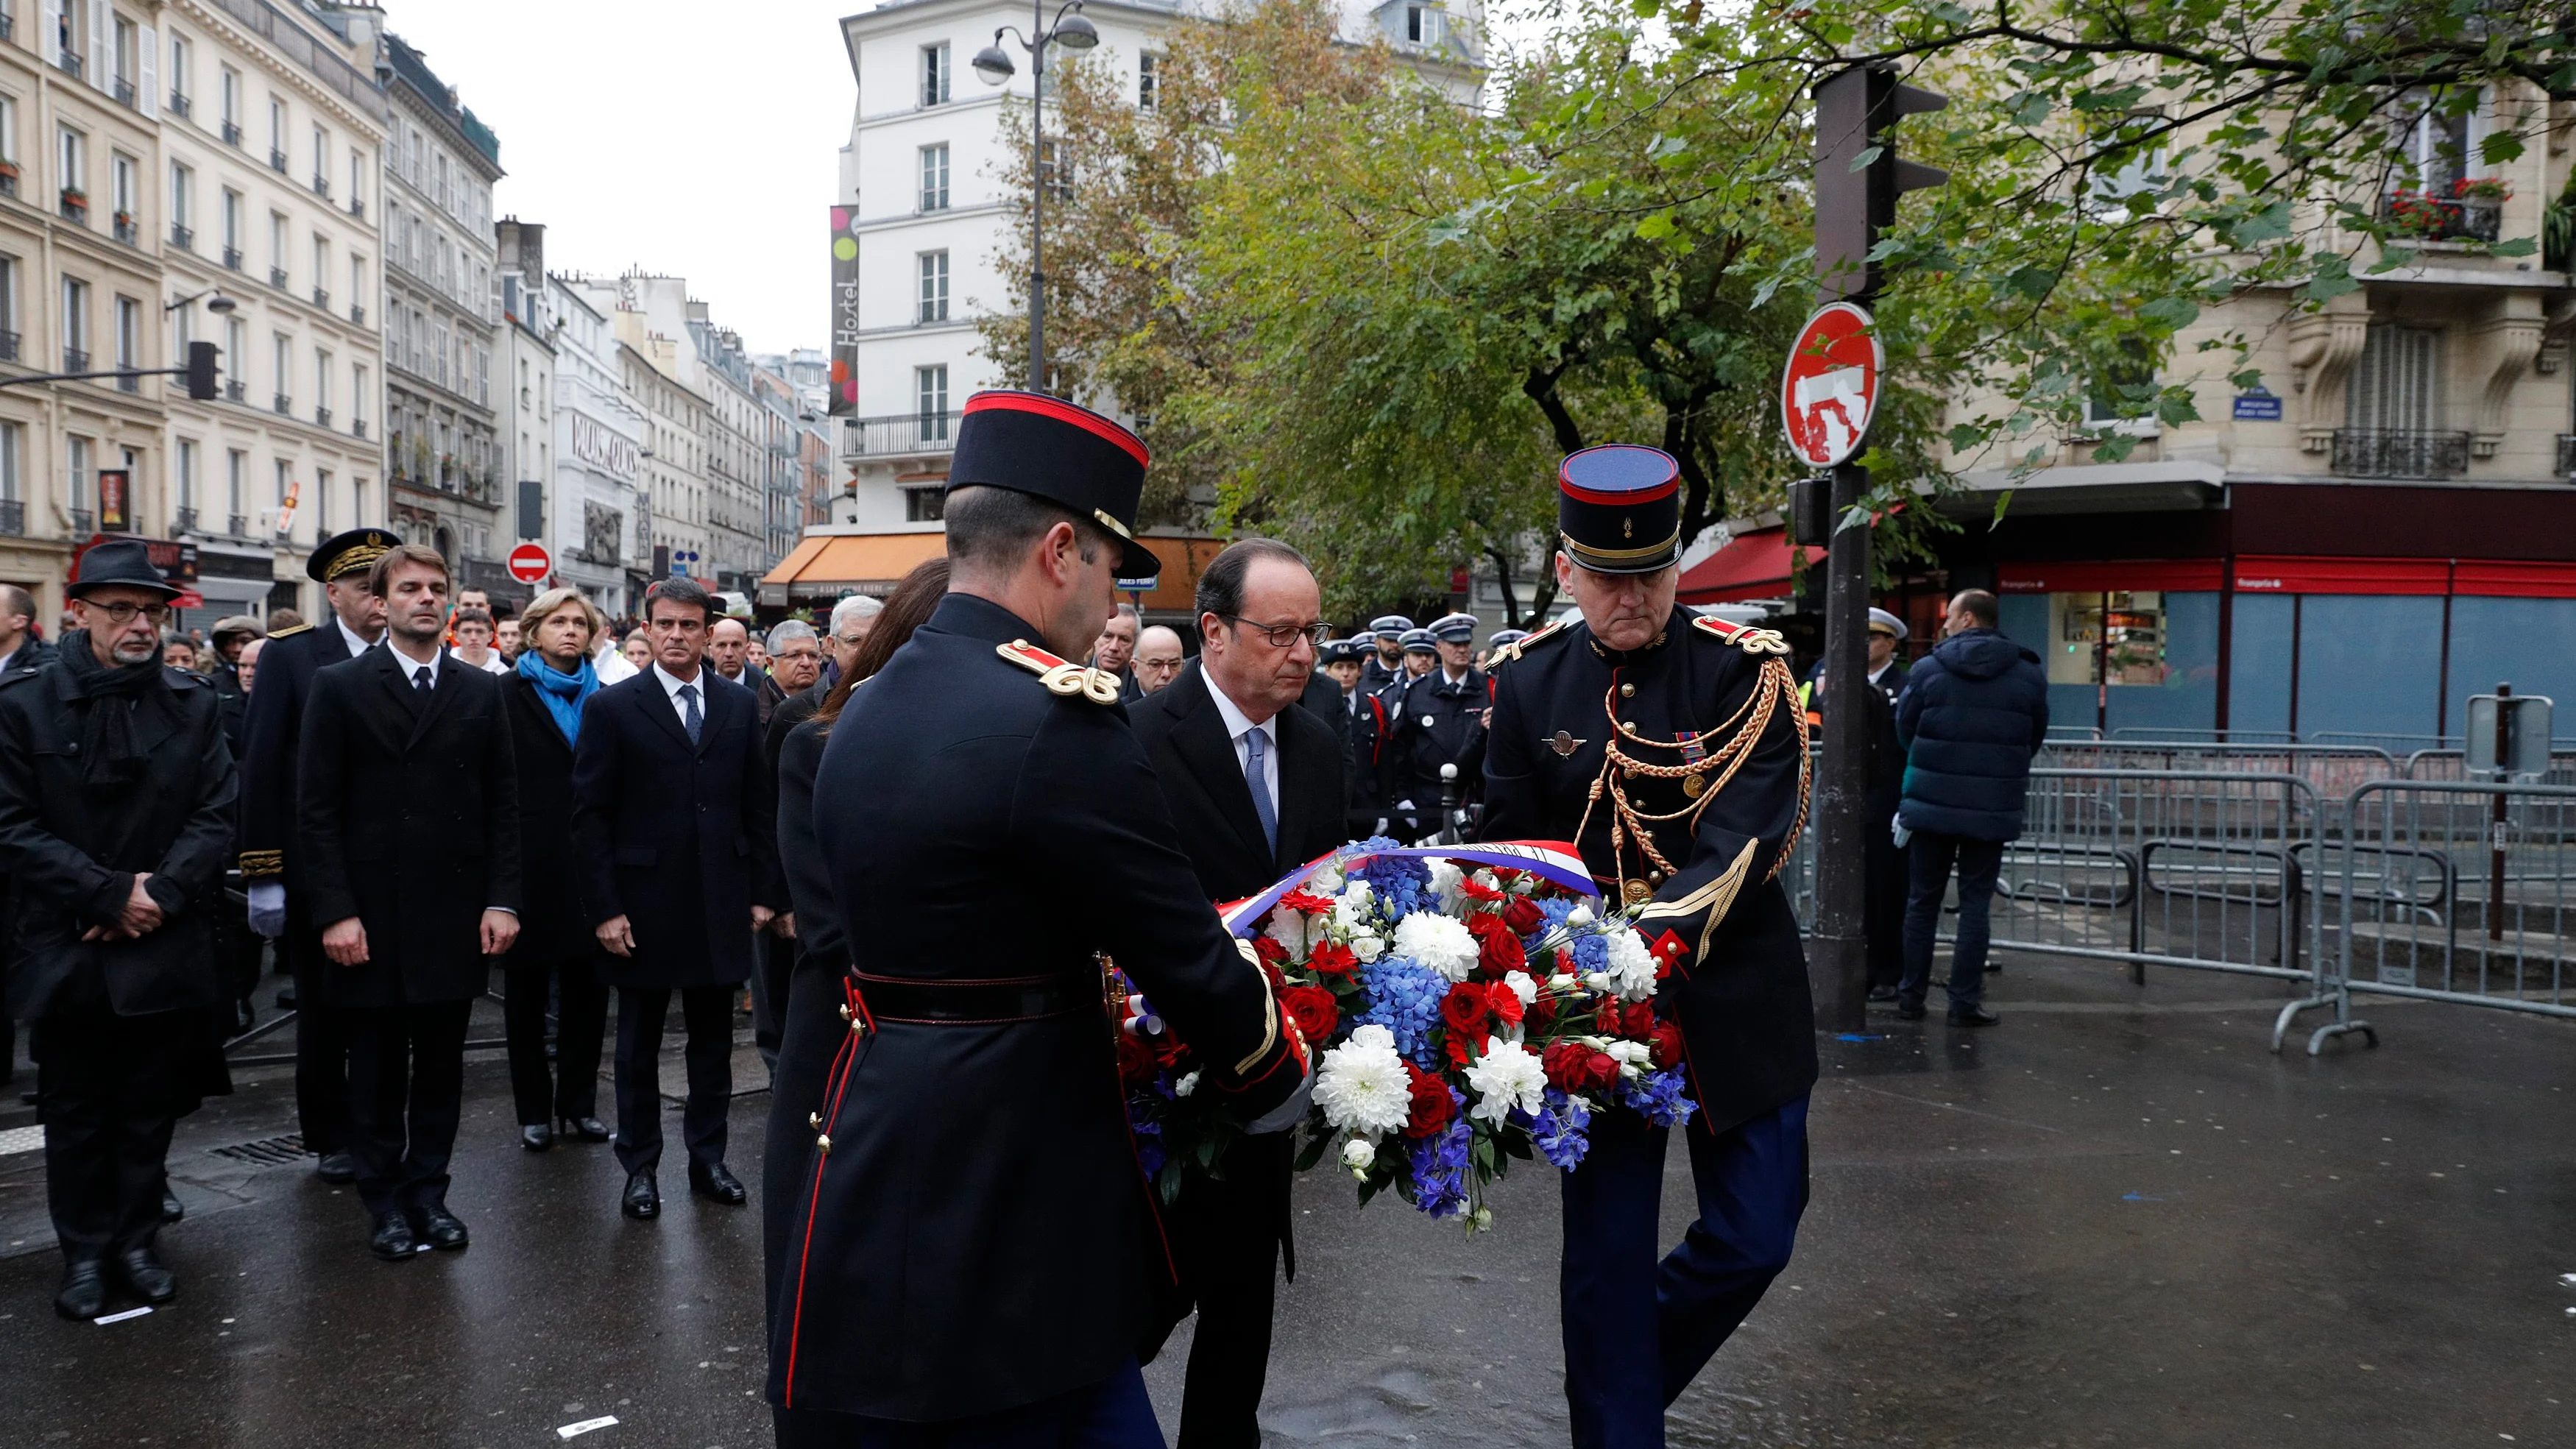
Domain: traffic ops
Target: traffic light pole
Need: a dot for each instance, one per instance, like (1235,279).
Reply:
(1856,193)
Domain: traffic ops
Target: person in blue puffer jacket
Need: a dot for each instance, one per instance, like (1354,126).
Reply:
(1974,712)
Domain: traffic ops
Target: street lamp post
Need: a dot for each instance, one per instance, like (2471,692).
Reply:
(994,66)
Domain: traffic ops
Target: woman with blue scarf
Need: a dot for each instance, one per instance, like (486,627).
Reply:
(555,950)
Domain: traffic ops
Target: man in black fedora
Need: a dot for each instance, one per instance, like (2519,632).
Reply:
(275,876)
(116,797)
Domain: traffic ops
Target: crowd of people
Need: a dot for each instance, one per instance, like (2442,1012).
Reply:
(912,832)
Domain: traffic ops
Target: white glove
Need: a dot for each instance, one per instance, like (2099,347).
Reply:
(1896,829)
(268,908)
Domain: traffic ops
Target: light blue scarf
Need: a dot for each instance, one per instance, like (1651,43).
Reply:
(564,694)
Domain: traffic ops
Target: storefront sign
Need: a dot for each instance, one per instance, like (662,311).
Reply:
(844,387)
(115,501)
(2258,407)
(602,447)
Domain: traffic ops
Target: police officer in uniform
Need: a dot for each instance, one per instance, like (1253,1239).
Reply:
(1362,718)
(966,1254)
(1690,731)
(1384,664)
(275,878)
(1442,722)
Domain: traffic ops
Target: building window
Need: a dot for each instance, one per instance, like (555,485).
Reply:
(2432,146)
(236,359)
(934,177)
(228,82)
(187,465)
(358,399)
(123,41)
(357,174)
(1146,65)
(232,229)
(2396,384)
(71,162)
(13,450)
(934,288)
(183,188)
(282,357)
(322,524)
(321,385)
(9,140)
(924,505)
(930,403)
(934,74)
(77,457)
(236,488)
(322,160)
(75,324)
(277,133)
(183,65)
(122,187)
(129,337)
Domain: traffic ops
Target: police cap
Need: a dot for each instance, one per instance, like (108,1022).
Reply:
(1618,508)
(1419,641)
(1454,628)
(1049,448)
(1390,627)
(1340,651)
(1503,637)
(1883,622)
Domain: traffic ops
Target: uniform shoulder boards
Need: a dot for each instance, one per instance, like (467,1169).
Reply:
(1529,641)
(289,631)
(1743,636)
(1097,685)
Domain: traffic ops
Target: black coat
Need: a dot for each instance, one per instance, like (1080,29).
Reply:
(1974,713)
(681,840)
(1439,724)
(553,927)
(407,817)
(1740,992)
(1365,726)
(1193,758)
(70,852)
(792,711)
(225,678)
(800,855)
(272,725)
(975,1238)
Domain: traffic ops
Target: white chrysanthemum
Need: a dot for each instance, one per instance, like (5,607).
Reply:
(1362,1085)
(1631,966)
(1295,930)
(1444,886)
(1508,1075)
(1522,985)
(1186,1085)
(1442,943)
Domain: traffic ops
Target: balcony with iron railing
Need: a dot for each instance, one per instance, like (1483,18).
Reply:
(13,517)
(82,522)
(233,258)
(2567,455)
(127,230)
(128,381)
(75,360)
(237,525)
(70,63)
(276,160)
(182,238)
(2392,453)
(8,346)
(277,278)
(183,519)
(232,134)
(357,427)
(75,206)
(357,208)
(322,299)
(124,92)
(179,104)
(8,178)
(2415,217)
(357,315)
(322,187)
(321,417)
(285,405)
(902,433)
(235,390)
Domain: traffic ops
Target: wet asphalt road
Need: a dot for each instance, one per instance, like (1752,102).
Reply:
(2115,1219)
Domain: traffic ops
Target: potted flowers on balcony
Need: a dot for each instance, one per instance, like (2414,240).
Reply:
(2482,200)
(75,202)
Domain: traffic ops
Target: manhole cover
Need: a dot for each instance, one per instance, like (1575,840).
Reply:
(266,1152)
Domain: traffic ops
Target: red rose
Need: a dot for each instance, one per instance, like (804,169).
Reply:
(1464,1009)
(1269,949)
(1522,915)
(1668,1045)
(1500,950)
(1314,1011)
(1332,960)
(1505,1003)
(1432,1108)
(1637,1020)
(1136,1063)
(1541,1014)
(1603,1071)
(1564,1064)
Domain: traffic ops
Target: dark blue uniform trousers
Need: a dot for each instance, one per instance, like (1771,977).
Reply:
(1111,1414)
(1637,1330)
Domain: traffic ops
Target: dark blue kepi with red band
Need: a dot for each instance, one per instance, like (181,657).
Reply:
(1619,508)
(1049,448)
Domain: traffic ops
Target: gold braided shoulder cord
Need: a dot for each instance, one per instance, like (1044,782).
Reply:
(1773,687)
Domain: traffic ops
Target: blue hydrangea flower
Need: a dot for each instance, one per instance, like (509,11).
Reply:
(1591,953)
(1402,884)
(1149,1145)
(1562,1130)
(1404,997)
(1660,1098)
(1440,1165)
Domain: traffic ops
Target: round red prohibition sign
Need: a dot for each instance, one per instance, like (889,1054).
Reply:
(1830,387)
(529,563)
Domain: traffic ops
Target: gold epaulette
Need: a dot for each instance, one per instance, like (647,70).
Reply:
(1743,636)
(289,632)
(1521,646)
(262,864)
(1097,685)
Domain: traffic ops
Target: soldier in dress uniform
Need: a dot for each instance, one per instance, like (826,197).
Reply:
(1501,639)
(966,1259)
(1670,749)
(1442,722)
(1385,665)
(277,883)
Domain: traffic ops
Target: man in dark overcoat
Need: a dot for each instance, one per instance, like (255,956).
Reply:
(676,837)
(1668,748)
(1255,790)
(407,814)
(968,1247)
(274,874)
(116,796)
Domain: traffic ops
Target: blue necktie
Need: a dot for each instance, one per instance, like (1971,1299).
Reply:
(1254,749)
(690,719)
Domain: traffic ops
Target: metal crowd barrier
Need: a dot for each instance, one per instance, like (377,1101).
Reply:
(2332,770)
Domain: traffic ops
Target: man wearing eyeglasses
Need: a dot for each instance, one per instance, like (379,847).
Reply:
(116,797)
(1255,789)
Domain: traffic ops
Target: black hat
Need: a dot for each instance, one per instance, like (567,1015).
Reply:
(1340,651)
(353,552)
(124,562)
(1048,448)
(1619,508)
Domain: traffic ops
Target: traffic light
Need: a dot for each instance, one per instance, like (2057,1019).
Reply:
(1858,175)
(202,360)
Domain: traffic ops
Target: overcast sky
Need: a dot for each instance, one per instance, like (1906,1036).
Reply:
(696,140)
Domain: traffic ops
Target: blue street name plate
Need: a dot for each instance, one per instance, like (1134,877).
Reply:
(2258,407)
(1138,586)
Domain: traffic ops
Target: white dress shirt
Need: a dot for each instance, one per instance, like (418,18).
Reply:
(357,646)
(411,667)
(1237,725)
(671,684)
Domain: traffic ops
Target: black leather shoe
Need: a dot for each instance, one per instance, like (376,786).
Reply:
(1972,1016)
(338,1168)
(83,1295)
(1908,1010)
(442,1229)
(588,1129)
(643,1197)
(172,1210)
(537,1138)
(717,1185)
(137,1269)
(286,998)
(392,1239)
(1882,993)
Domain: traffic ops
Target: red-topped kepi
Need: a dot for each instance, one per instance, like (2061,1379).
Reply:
(1619,508)
(1049,448)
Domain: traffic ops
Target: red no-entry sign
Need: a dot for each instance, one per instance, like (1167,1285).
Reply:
(1830,387)
(529,563)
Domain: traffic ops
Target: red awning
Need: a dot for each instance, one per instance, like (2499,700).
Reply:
(1751,566)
